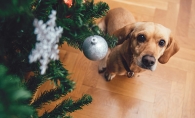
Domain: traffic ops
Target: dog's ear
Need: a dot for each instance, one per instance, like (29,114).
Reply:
(123,33)
(171,49)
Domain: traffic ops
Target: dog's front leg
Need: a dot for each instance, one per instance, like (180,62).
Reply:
(102,63)
(109,76)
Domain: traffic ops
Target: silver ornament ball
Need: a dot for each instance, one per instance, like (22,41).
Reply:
(95,47)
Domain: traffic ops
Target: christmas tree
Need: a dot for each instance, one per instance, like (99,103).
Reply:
(69,21)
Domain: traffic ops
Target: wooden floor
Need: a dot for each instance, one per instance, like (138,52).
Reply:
(169,92)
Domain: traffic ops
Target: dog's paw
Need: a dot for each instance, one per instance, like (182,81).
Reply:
(106,75)
(101,70)
(109,76)
(102,66)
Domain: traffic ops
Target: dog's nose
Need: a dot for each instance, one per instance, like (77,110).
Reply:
(148,61)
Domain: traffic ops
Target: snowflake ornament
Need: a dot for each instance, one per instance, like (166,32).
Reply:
(46,48)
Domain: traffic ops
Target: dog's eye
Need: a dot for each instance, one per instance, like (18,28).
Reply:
(141,38)
(161,43)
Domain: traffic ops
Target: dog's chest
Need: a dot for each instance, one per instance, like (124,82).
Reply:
(135,68)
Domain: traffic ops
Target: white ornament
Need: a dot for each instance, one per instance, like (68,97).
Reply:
(95,47)
(46,48)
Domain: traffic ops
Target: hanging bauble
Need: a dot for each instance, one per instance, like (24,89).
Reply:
(95,47)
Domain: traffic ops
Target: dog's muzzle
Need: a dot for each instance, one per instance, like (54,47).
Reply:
(148,61)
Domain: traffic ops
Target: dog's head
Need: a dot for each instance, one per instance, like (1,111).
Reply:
(149,42)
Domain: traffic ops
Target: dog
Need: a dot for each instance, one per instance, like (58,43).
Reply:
(140,44)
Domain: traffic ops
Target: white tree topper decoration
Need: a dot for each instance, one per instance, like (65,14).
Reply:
(46,48)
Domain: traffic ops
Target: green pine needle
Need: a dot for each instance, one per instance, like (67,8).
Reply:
(68,106)
(14,7)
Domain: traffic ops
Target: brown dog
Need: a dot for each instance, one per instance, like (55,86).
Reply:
(140,44)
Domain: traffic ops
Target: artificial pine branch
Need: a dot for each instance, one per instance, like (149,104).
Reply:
(55,72)
(14,7)
(94,11)
(78,104)
(33,83)
(77,21)
(42,8)
(12,96)
(58,74)
(51,95)
(68,106)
